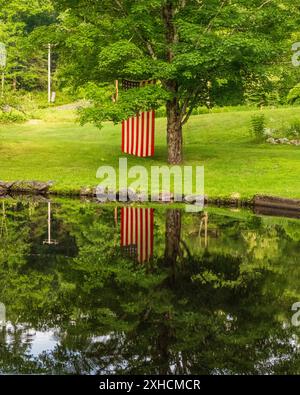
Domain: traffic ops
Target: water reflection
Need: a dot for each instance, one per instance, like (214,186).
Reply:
(137,232)
(142,290)
(49,240)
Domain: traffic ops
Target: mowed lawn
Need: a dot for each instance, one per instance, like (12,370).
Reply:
(58,149)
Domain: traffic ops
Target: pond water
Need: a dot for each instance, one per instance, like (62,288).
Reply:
(91,289)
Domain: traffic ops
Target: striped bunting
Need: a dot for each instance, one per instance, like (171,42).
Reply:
(137,232)
(138,135)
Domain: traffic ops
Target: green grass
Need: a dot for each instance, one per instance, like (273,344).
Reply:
(60,150)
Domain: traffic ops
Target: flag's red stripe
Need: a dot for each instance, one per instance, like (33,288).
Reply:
(126,227)
(127,135)
(151,231)
(147,234)
(137,134)
(132,136)
(142,134)
(147,139)
(147,131)
(122,227)
(153,133)
(141,235)
(131,226)
(123,136)
(136,227)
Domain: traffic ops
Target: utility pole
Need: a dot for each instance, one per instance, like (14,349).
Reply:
(49,73)
(49,240)
(3,59)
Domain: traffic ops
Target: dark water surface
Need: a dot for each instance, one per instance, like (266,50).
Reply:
(130,290)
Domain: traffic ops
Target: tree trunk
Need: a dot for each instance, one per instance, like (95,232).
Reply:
(173,237)
(174,128)
(174,133)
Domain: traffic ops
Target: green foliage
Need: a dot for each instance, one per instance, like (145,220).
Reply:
(258,125)
(203,55)
(130,103)
(13,107)
(293,130)
(11,117)
(294,95)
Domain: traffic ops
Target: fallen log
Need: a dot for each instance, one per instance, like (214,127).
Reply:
(277,212)
(33,187)
(276,203)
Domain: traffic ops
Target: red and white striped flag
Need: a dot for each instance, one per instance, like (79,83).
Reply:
(138,134)
(137,232)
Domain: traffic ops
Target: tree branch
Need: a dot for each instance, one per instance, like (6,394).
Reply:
(189,104)
(215,16)
(147,43)
(168,13)
(263,4)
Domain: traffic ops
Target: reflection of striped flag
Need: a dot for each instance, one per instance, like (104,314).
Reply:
(138,134)
(137,232)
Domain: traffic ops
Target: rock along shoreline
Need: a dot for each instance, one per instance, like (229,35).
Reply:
(260,203)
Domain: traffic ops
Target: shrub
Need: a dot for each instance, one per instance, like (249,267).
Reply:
(258,125)
(9,117)
(293,96)
(294,130)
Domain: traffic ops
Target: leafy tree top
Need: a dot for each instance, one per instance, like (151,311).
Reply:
(192,47)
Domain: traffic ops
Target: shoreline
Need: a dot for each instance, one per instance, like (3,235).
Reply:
(261,204)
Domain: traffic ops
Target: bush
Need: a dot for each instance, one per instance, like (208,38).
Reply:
(258,126)
(10,117)
(294,130)
(293,96)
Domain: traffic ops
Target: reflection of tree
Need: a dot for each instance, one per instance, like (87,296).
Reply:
(191,310)
(173,236)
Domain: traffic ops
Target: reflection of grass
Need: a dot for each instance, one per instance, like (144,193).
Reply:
(58,149)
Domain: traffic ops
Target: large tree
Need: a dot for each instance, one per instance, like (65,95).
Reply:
(193,49)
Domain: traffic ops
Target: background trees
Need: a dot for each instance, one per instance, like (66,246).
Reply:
(27,60)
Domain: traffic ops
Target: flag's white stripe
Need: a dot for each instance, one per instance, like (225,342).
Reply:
(126,139)
(139,236)
(129,136)
(149,135)
(134,135)
(125,226)
(144,236)
(129,227)
(133,226)
(145,134)
(149,233)
(139,146)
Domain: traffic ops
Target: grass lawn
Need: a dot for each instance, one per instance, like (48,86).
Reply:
(60,150)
